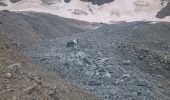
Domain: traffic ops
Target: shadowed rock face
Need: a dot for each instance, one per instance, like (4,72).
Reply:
(98,2)
(164,12)
(67,1)
(15,1)
(3,4)
(49,2)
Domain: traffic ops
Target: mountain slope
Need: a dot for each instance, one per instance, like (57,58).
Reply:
(116,62)
(20,79)
(28,28)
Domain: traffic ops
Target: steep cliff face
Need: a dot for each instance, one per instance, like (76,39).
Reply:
(164,12)
(96,10)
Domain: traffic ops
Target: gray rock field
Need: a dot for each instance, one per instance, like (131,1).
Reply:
(128,61)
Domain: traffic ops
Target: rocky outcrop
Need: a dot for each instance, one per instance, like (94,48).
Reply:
(164,12)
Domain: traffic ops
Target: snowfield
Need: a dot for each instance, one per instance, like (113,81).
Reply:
(117,10)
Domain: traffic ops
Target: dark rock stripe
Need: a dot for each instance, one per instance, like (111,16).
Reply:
(164,12)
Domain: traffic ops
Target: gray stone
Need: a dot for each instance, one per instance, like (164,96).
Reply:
(79,62)
(81,54)
(8,75)
(91,73)
(126,75)
(118,81)
(72,43)
(127,62)
(108,75)
(16,67)
(94,83)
